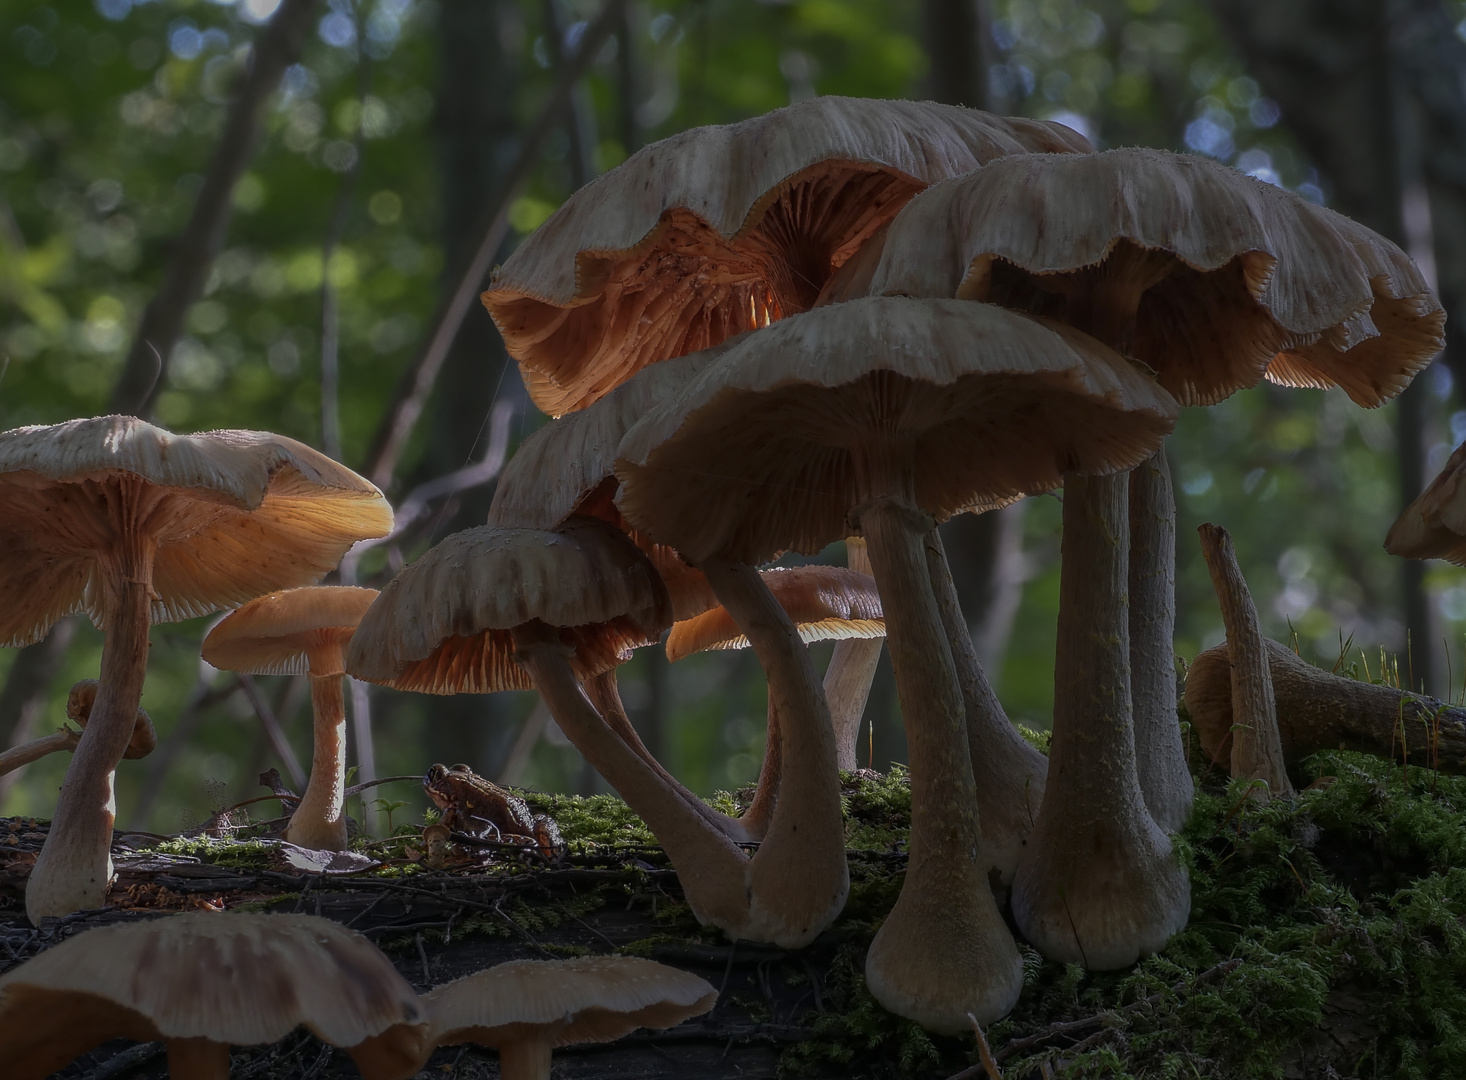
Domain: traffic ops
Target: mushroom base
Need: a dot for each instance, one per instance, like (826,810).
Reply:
(197,1059)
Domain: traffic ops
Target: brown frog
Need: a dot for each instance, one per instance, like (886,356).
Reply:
(473,805)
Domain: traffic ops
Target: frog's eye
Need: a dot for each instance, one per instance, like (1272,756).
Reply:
(460,768)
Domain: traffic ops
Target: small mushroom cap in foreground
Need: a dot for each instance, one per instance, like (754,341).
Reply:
(718,230)
(79,704)
(826,603)
(1433,526)
(588,999)
(443,625)
(277,633)
(232,979)
(1245,278)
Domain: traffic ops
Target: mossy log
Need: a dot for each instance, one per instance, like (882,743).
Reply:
(1321,711)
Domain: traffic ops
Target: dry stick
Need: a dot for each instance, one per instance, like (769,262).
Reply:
(272,729)
(27,685)
(1257,749)
(417,381)
(277,47)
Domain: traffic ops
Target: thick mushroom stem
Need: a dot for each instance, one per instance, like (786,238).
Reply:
(943,952)
(848,678)
(1009,774)
(1099,884)
(1165,781)
(798,879)
(605,696)
(198,1059)
(525,1059)
(74,867)
(319,822)
(27,752)
(711,867)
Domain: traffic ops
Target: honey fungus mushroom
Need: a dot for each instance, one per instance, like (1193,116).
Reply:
(497,609)
(302,632)
(135,525)
(526,1008)
(895,413)
(723,229)
(1211,278)
(204,981)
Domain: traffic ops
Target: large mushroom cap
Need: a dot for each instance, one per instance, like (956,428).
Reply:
(1433,526)
(1263,281)
(236,979)
(277,634)
(759,454)
(589,999)
(826,603)
(442,626)
(718,230)
(234,514)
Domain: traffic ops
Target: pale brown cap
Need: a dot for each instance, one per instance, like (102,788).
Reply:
(276,634)
(826,603)
(718,230)
(1433,526)
(236,979)
(1263,281)
(588,999)
(235,514)
(443,625)
(83,696)
(754,457)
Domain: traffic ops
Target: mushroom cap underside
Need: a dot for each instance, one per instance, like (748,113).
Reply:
(444,625)
(233,514)
(1433,526)
(722,229)
(276,634)
(979,405)
(1263,282)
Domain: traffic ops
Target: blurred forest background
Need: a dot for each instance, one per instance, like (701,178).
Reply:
(288,227)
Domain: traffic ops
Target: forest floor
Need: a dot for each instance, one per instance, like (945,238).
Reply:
(1327,940)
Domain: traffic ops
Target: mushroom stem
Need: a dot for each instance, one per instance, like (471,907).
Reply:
(1008,774)
(198,1059)
(319,822)
(524,1059)
(605,696)
(1160,759)
(798,879)
(1257,749)
(74,867)
(755,820)
(1318,710)
(848,678)
(943,951)
(27,752)
(711,867)
(1099,884)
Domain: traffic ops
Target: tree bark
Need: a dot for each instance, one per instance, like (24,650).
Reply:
(956,45)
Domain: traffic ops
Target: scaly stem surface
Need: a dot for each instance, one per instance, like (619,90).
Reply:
(319,821)
(1008,773)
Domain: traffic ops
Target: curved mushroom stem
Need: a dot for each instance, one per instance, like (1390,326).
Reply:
(319,822)
(27,752)
(755,820)
(943,952)
(197,1059)
(605,695)
(1160,758)
(1099,884)
(525,1059)
(74,867)
(848,678)
(1009,774)
(712,869)
(798,879)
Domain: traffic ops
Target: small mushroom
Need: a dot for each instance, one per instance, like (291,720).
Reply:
(79,704)
(202,982)
(827,603)
(135,525)
(302,632)
(526,1008)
